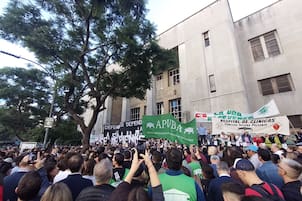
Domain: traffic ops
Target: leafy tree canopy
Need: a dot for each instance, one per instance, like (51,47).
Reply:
(81,40)
(26,97)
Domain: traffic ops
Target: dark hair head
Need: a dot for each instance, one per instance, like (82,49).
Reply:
(50,164)
(103,156)
(88,167)
(75,162)
(208,172)
(5,167)
(62,164)
(187,150)
(127,154)
(233,187)
(174,159)
(101,150)
(63,161)
(138,194)
(264,154)
(119,158)
(231,153)
(29,185)
(275,158)
(157,157)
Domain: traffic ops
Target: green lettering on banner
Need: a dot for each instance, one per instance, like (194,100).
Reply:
(167,127)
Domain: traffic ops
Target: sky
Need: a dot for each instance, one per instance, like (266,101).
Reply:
(162,13)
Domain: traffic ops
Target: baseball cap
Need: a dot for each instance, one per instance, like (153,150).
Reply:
(243,164)
(252,148)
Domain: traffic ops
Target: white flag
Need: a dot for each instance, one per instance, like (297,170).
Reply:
(268,110)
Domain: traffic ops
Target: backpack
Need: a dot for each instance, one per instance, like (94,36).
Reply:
(266,194)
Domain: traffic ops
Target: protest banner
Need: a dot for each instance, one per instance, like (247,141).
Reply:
(273,125)
(167,127)
(125,132)
(227,114)
(27,146)
(268,110)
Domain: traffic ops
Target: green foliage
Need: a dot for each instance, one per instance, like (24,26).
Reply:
(24,90)
(35,134)
(26,97)
(65,133)
(81,41)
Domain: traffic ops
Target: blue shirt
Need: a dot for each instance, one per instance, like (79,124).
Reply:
(202,131)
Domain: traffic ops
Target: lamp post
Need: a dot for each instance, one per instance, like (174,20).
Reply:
(47,127)
(48,121)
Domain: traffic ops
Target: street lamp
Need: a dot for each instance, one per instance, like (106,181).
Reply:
(49,120)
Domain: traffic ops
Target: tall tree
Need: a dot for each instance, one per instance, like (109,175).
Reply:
(26,97)
(80,40)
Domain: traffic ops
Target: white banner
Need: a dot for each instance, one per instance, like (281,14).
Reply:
(227,114)
(268,110)
(271,125)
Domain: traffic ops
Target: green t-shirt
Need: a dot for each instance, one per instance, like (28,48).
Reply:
(178,187)
(196,168)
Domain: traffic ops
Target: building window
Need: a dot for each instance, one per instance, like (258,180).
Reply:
(265,46)
(134,114)
(145,109)
(212,83)
(271,44)
(278,84)
(175,108)
(295,120)
(173,77)
(160,108)
(159,81)
(206,39)
(257,49)
(159,77)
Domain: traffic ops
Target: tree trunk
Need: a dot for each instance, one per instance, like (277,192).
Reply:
(86,130)
(86,139)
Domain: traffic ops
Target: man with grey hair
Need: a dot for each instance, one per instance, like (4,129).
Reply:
(214,159)
(215,193)
(290,171)
(102,190)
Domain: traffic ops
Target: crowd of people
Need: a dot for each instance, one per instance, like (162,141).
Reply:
(163,170)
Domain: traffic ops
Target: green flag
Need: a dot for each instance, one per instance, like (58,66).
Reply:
(167,127)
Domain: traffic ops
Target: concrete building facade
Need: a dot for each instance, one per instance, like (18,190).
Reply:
(273,73)
(224,64)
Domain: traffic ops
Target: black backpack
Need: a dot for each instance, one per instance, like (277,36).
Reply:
(266,194)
